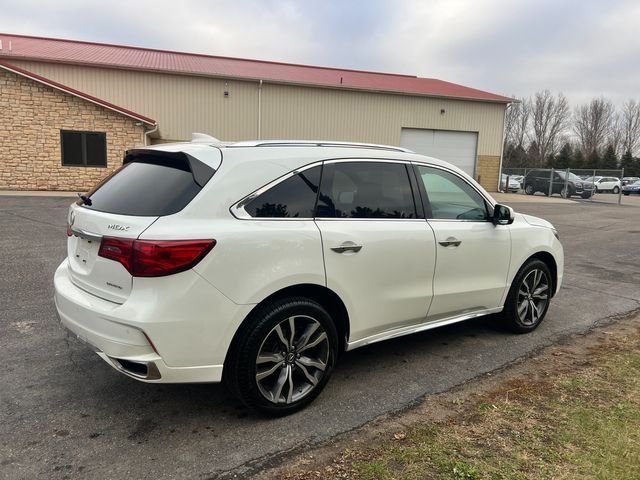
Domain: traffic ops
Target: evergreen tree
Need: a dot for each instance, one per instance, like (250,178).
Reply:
(564,158)
(578,160)
(532,155)
(610,159)
(636,168)
(592,160)
(515,157)
(629,164)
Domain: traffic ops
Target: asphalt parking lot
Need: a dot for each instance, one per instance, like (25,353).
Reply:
(66,414)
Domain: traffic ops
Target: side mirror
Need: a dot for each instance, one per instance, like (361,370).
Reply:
(502,215)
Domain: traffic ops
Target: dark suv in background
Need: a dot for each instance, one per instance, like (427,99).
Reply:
(538,181)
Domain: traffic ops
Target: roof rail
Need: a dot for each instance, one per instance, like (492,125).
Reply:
(319,143)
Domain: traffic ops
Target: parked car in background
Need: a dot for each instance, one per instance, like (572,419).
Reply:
(632,188)
(629,180)
(538,180)
(605,184)
(513,186)
(518,178)
(259,263)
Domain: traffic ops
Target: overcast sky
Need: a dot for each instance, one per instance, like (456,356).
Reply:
(583,48)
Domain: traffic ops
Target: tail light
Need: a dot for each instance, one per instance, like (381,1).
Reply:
(155,258)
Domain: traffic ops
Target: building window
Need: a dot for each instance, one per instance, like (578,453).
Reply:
(83,149)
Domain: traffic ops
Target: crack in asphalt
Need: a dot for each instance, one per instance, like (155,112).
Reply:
(41,222)
(598,291)
(72,359)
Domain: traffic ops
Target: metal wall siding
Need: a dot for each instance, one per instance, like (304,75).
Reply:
(299,112)
(183,104)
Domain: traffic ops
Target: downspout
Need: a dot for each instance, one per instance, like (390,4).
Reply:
(149,132)
(504,122)
(260,110)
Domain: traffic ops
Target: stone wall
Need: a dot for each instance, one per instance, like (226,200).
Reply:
(487,172)
(31,117)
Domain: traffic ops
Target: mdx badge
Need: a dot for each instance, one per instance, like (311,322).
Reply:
(120,228)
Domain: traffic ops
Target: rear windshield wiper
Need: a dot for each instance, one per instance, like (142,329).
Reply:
(86,200)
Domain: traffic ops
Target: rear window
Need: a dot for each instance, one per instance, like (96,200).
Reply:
(148,186)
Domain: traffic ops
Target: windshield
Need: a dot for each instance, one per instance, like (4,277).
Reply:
(572,176)
(590,179)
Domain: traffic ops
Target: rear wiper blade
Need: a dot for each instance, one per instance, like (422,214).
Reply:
(86,200)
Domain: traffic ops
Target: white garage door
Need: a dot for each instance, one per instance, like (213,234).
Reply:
(458,148)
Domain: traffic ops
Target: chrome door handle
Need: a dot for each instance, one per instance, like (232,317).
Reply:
(450,242)
(347,247)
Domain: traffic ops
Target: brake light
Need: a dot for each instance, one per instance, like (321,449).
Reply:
(118,249)
(155,258)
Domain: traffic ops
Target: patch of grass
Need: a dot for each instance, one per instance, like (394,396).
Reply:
(583,423)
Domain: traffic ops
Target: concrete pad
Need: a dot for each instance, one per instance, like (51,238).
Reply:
(35,193)
(507,198)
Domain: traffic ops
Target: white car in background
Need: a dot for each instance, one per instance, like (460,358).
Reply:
(259,263)
(605,184)
(514,184)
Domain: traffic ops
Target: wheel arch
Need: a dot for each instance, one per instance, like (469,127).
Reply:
(326,297)
(549,260)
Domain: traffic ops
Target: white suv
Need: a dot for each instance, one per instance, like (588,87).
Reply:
(258,263)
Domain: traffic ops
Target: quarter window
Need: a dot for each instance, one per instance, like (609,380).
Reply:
(294,197)
(365,190)
(450,197)
(83,149)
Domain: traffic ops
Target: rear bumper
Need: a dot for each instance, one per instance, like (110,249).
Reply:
(189,323)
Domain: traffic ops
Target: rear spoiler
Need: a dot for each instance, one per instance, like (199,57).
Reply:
(201,172)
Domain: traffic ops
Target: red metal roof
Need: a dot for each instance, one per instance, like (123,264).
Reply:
(119,56)
(72,91)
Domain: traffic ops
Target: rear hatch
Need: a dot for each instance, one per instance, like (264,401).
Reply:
(150,184)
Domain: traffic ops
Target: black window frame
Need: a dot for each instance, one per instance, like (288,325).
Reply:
(83,144)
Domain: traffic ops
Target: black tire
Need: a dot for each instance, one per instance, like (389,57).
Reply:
(529,190)
(511,317)
(262,334)
(625,193)
(616,189)
(586,195)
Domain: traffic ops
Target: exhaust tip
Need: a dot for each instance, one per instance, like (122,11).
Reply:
(143,370)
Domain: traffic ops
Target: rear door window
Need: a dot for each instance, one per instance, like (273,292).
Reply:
(294,197)
(366,190)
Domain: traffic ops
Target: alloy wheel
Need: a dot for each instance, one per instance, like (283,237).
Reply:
(533,297)
(292,359)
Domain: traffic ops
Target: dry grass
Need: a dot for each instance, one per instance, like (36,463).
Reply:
(575,418)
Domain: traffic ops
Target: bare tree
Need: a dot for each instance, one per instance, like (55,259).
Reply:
(517,122)
(616,134)
(549,119)
(594,124)
(629,127)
